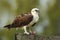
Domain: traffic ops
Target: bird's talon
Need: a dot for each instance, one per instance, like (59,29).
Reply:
(26,33)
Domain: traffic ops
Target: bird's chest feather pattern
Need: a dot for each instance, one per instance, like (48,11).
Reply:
(35,19)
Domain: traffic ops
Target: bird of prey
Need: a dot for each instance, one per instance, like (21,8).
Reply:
(25,20)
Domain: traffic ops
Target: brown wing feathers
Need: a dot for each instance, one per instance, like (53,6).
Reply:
(20,21)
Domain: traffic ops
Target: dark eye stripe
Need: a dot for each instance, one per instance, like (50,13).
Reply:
(36,10)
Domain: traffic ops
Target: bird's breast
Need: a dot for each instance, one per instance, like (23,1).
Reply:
(35,18)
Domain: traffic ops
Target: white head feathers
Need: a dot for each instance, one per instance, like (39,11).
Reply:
(35,10)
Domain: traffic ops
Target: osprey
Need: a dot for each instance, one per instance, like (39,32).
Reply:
(25,20)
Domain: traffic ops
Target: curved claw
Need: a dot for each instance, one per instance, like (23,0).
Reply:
(26,33)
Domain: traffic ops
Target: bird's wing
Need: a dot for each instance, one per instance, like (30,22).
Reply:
(22,20)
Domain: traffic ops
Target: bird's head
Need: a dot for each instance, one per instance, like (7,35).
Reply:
(35,10)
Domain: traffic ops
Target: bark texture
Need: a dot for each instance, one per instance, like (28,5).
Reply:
(20,36)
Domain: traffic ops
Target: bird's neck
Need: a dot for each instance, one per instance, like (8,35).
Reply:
(34,13)
(35,17)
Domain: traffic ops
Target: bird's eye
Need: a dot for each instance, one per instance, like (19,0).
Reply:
(36,10)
